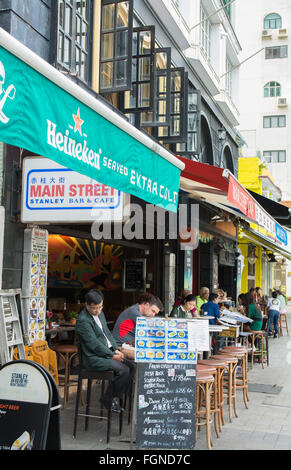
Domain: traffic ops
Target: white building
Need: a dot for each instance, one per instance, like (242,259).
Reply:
(264,31)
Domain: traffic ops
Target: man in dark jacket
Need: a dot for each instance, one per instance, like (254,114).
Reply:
(100,351)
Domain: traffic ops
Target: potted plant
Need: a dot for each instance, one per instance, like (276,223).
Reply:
(73,317)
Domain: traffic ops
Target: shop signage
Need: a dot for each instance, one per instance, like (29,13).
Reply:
(281,234)
(241,198)
(52,193)
(264,220)
(166,417)
(41,117)
(25,401)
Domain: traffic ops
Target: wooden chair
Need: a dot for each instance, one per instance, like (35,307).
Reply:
(242,380)
(283,316)
(214,409)
(220,367)
(260,335)
(229,381)
(204,385)
(67,352)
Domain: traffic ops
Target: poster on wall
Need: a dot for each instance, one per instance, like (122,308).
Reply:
(85,264)
(34,284)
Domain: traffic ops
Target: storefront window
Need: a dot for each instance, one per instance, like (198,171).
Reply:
(73,37)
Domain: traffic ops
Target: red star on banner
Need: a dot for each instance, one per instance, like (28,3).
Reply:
(78,122)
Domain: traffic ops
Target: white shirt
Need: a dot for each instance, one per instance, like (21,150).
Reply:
(274,304)
(282,303)
(98,323)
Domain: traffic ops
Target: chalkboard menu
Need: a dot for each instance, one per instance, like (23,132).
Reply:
(166,410)
(134,274)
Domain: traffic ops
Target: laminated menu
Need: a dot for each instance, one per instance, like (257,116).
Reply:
(160,340)
(35,282)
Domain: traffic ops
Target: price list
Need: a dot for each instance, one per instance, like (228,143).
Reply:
(166,406)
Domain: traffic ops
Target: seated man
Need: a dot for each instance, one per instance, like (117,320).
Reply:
(211,308)
(202,298)
(100,351)
(124,329)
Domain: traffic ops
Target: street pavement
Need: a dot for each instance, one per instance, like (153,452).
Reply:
(266,424)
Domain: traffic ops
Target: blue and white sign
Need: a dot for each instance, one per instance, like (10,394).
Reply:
(53,193)
(281,234)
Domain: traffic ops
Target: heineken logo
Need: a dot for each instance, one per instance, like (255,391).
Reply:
(4,94)
(69,145)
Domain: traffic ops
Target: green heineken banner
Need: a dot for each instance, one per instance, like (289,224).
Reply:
(38,115)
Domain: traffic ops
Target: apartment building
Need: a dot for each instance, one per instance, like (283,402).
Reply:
(264,102)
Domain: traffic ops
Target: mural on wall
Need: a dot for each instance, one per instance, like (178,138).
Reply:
(78,263)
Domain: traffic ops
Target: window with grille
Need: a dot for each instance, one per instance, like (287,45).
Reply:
(205,33)
(272,21)
(116,45)
(276,52)
(177,130)
(160,113)
(73,45)
(140,97)
(275,156)
(272,89)
(192,144)
(274,121)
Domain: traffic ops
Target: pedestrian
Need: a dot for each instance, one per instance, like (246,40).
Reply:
(100,351)
(273,313)
(202,298)
(124,329)
(187,309)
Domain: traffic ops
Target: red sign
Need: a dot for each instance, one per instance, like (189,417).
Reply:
(241,198)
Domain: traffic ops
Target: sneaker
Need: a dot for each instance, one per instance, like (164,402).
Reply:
(269,333)
(275,336)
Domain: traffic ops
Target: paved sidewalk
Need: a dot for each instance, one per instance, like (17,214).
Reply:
(265,425)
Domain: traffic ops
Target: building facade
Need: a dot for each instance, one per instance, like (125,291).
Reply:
(264,101)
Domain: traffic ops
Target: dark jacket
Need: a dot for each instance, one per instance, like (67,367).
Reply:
(95,353)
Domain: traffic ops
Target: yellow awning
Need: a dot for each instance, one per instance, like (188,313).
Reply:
(267,244)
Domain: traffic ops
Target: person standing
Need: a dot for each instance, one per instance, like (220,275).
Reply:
(124,329)
(282,301)
(100,351)
(274,313)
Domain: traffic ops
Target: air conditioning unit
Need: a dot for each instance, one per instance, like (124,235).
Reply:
(282,33)
(266,33)
(282,102)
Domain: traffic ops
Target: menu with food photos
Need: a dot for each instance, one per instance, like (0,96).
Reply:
(35,282)
(161,340)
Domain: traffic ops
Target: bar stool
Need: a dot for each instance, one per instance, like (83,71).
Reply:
(230,383)
(214,409)
(220,367)
(67,352)
(260,335)
(204,385)
(283,316)
(241,381)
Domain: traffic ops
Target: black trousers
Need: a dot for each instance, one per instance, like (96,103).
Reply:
(123,378)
